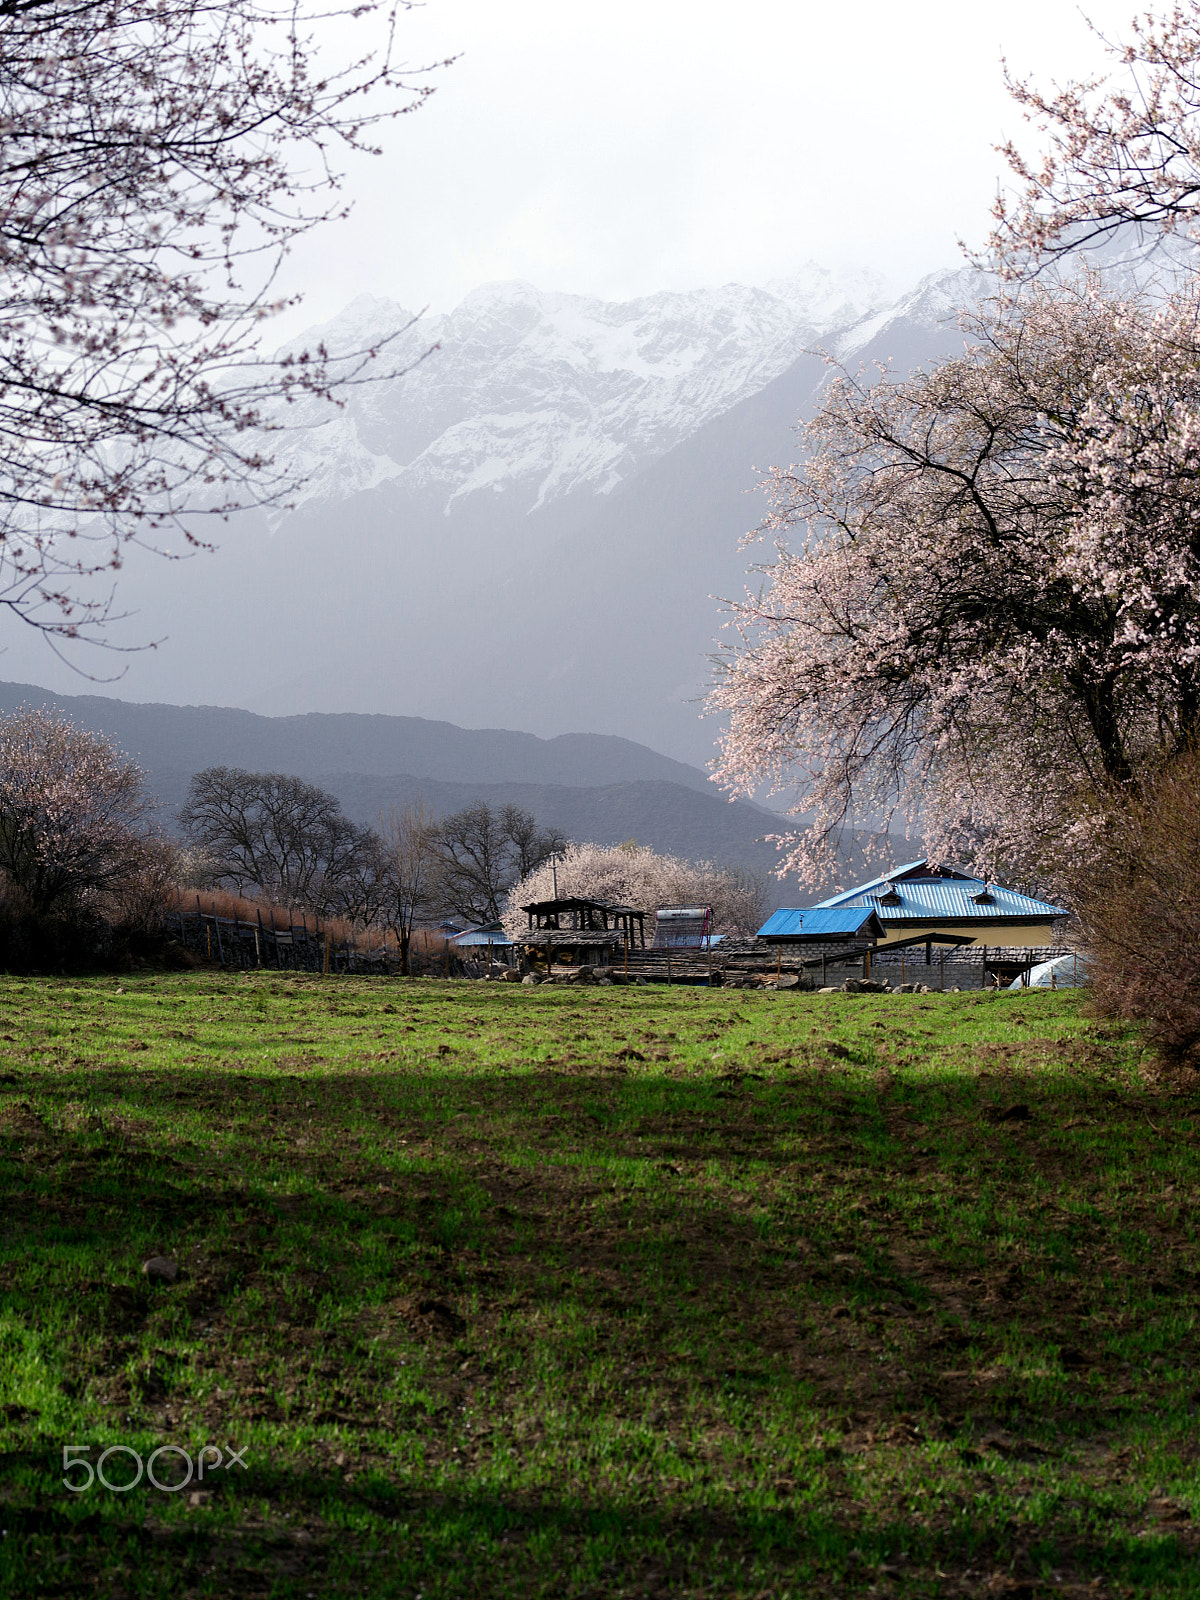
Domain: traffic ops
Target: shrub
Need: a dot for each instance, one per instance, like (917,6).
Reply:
(1137,901)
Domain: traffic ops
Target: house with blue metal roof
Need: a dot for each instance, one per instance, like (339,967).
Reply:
(825,935)
(859,924)
(921,904)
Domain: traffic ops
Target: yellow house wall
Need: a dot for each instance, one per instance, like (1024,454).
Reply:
(997,936)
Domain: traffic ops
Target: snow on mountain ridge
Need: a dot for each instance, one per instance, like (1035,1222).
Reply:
(537,394)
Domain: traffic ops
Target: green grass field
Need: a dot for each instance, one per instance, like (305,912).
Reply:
(592,1292)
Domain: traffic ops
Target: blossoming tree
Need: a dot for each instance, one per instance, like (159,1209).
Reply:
(158,159)
(991,615)
(73,811)
(982,613)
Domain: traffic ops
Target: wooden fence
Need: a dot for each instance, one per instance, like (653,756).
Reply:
(247,943)
(244,943)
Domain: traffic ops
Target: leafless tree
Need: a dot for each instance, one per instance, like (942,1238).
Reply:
(272,832)
(363,887)
(484,852)
(410,841)
(159,158)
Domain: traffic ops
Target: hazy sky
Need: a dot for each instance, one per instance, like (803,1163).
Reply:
(642,144)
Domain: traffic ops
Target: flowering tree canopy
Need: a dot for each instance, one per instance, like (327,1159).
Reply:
(992,615)
(73,811)
(158,158)
(1121,153)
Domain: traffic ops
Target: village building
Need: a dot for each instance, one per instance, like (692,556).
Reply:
(987,933)
(921,904)
(828,938)
(852,928)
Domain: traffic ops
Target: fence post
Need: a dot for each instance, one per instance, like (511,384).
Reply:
(217,926)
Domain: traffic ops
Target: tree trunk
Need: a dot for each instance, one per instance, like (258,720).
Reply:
(1099,700)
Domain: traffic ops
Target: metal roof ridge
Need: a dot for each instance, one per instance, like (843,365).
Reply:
(865,888)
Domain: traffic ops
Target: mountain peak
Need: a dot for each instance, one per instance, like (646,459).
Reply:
(533,395)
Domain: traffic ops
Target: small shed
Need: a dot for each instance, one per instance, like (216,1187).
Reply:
(821,937)
(818,925)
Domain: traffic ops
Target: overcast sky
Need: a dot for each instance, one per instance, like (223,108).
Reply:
(621,148)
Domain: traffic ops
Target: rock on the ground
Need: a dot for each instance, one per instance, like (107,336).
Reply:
(160,1269)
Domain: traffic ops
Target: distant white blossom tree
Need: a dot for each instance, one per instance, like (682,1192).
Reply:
(74,815)
(635,876)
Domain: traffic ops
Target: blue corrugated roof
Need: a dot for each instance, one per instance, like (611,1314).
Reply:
(850,896)
(929,898)
(482,936)
(815,922)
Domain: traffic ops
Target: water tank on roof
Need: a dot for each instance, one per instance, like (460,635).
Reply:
(682,927)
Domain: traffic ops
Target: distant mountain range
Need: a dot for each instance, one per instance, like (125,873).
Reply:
(528,527)
(593,787)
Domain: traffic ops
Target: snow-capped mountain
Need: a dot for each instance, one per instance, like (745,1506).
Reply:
(524,522)
(539,395)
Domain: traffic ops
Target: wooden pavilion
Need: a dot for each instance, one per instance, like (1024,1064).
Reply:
(578,932)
